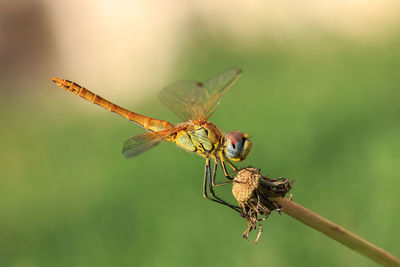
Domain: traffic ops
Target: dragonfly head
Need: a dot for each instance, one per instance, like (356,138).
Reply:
(237,145)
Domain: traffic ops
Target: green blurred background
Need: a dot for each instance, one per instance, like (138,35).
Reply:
(319,96)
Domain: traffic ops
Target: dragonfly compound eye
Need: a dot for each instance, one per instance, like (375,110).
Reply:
(237,145)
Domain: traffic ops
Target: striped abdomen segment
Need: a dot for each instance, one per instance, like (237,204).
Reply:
(146,122)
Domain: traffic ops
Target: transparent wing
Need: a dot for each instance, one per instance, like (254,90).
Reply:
(216,87)
(182,98)
(141,143)
(195,100)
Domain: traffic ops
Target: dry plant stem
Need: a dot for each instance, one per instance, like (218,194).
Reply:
(258,195)
(336,232)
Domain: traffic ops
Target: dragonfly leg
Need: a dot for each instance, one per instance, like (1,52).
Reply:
(232,166)
(211,187)
(227,175)
(207,182)
(214,183)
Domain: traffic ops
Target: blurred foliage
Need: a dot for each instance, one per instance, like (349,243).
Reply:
(324,112)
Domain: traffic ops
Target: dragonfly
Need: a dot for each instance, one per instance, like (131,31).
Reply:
(194,102)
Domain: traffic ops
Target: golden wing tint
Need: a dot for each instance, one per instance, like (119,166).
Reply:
(141,143)
(195,100)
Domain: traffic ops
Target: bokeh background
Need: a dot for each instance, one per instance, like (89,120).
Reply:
(319,96)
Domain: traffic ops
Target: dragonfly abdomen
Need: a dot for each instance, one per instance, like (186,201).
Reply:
(146,122)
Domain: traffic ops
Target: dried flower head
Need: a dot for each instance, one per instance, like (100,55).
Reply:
(253,192)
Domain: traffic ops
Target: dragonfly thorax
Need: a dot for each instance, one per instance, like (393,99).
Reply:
(201,138)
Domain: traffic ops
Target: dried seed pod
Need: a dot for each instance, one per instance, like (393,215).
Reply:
(252,191)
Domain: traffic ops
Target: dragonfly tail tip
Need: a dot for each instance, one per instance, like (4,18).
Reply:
(58,81)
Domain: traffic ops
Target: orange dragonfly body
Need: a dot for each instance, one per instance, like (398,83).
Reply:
(194,102)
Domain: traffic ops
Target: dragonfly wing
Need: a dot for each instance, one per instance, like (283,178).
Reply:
(216,87)
(195,100)
(182,98)
(141,143)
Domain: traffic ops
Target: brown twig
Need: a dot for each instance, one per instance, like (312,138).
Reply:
(258,196)
(336,232)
